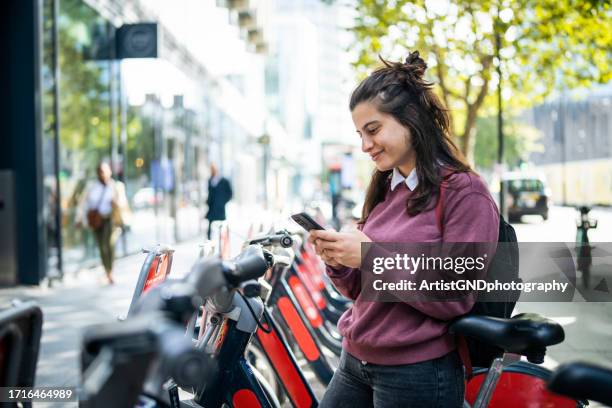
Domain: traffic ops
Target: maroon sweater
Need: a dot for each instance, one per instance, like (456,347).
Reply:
(403,333)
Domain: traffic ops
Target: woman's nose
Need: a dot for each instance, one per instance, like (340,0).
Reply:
(366,144)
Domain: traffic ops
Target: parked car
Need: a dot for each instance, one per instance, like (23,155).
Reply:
(145,198)
(526,195)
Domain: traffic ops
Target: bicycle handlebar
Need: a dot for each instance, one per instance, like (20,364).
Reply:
(252,263)
(282,238)
(209,275)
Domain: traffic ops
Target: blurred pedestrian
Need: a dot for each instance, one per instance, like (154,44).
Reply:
(219,194)
(106,211)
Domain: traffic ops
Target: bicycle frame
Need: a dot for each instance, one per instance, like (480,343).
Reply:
(284,364)
(155,270)
(295,325)
(298,318)
(327,309)
(319,323)
(236,384)
(228,341)
(320,280)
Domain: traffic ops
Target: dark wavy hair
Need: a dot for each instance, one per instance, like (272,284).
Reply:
(398,89)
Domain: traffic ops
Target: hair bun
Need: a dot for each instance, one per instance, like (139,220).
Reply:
(415,65)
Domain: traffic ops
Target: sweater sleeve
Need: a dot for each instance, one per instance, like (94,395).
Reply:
(346,280)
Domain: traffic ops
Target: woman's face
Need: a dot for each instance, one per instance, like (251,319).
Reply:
(382,137)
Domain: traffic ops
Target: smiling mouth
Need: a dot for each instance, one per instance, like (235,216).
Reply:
(375,156)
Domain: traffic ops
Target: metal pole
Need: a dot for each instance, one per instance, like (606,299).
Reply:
(500,125)
(56,139)
(563,152)
(266,152)
(112,65)
(123,124)
(158,157)
(122,142)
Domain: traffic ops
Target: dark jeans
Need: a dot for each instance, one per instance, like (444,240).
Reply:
(428,384)
(106,237)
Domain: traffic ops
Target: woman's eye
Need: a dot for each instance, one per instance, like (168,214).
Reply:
(372,131)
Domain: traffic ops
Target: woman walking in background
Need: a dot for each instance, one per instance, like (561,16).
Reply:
(106,211)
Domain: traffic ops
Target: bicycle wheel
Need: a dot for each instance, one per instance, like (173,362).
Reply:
(267,388)
(521,385)
(257,358)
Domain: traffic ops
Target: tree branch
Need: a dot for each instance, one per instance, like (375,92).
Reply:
(472,109)
(468,87)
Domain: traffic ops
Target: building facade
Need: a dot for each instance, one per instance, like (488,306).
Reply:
(68,104)
(576,134)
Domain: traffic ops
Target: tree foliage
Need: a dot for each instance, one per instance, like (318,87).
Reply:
(85,134)
(544,45)
(519,140)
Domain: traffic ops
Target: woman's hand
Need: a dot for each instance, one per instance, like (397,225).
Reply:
(318,249)
(343,248)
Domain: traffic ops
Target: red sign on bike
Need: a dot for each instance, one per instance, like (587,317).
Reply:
(157,272)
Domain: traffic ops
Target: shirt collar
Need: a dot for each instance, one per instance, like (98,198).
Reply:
(412,181)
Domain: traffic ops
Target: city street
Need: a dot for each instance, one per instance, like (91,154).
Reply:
(561,226)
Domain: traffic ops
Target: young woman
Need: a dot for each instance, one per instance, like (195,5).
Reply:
(105,212)
(401,354)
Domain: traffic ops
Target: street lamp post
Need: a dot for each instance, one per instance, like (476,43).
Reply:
(264,141)
(563,147)
(500,124)
(56,140)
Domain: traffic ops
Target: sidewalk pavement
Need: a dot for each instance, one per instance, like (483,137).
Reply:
(588,331)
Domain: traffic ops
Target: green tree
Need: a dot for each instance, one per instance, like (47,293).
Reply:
(519,141)
(545,45)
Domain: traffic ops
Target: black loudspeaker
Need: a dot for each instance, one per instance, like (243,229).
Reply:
(137,41)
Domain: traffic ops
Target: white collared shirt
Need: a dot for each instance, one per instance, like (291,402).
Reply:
(100,197)
(412,181)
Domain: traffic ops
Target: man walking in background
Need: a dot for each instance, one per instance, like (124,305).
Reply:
(219,193)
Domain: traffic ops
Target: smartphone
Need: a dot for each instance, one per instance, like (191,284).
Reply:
(306,221)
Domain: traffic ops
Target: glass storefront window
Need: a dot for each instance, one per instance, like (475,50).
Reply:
(162,155)
(48,141)
(85,133)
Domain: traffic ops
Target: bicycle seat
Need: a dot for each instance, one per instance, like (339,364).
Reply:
(527,334)
(582,381)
